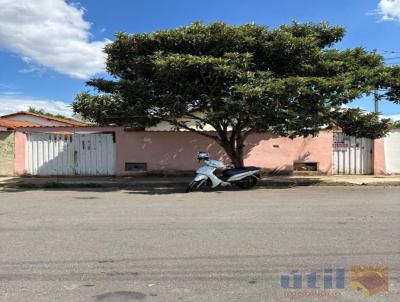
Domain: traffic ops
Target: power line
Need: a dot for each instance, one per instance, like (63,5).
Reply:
(391,51)
(392,58)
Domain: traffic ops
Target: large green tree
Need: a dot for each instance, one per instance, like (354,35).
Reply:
(239,79)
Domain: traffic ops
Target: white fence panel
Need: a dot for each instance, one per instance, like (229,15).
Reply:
(392,152)
(78,154)
(351,155)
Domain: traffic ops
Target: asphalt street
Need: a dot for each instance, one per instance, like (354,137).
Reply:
(106,245)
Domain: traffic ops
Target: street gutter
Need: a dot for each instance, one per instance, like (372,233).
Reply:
(180,183)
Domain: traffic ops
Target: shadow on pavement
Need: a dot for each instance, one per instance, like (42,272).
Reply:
(150,189)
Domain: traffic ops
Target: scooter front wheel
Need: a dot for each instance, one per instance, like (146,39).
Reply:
(194,185)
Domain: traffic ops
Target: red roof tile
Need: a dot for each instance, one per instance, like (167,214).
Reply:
(15,124)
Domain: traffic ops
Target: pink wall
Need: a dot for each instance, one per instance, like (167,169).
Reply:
(177,150)
(263,150)
(379,157)
(273,152)
(163,150)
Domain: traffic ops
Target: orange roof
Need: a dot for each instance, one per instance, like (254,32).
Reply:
(50,118)
(15,124)
(60,132)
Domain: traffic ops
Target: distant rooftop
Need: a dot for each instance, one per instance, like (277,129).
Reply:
(70,122)
(15,124)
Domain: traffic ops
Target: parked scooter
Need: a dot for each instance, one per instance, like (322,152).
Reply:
(244,178)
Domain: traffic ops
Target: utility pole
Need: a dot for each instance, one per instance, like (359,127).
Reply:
(376,101)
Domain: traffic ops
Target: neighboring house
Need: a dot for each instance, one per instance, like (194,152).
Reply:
(7,145)
(41,120)
(13,156)
(191,123)
(6,153)
(6,124)
(392,152)
(52,146)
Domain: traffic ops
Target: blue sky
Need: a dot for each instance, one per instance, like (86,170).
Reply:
(48,48)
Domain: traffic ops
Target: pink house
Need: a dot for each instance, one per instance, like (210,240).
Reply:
(61,147)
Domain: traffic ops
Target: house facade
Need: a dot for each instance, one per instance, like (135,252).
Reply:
(68,148)
(137,151)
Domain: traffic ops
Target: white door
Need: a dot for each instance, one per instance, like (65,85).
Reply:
(351,155)
(78,154)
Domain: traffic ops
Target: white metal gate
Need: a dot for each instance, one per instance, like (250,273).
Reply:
(392,151)
(351,155)
(77,154)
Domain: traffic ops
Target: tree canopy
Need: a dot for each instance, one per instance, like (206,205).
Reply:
(241,79)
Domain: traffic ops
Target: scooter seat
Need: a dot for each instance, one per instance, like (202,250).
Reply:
(230,172)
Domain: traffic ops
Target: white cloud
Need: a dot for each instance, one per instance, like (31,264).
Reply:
(13,103)
(11,93)
(395,117)
(389,9)
(7,86)
(51,33)
(39,70)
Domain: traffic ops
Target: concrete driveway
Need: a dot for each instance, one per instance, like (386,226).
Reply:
(82,245)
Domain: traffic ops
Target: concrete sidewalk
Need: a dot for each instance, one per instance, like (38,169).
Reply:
(92,182)
(169,181)
(353,179)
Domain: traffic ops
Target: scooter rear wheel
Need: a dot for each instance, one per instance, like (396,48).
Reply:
(247,182)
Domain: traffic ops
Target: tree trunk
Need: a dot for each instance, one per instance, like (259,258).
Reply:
(239,156)
(235,153)
(233,144)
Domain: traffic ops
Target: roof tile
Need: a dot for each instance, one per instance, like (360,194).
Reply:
(15,124)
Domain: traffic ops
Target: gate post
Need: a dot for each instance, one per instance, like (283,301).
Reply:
(378,157)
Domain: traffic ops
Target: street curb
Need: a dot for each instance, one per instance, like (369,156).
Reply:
(145,184)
